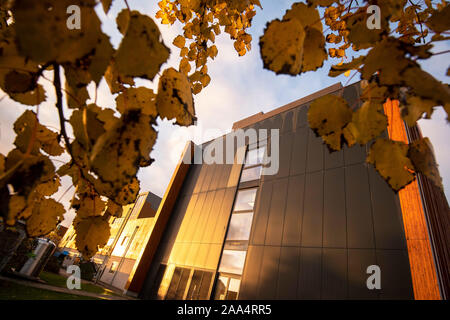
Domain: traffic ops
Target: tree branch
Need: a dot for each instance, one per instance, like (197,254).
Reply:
(59,106)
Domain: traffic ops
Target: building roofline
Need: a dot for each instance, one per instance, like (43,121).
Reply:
(262,116)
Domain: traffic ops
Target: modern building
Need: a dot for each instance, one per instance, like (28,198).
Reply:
(324,226)
(129,234)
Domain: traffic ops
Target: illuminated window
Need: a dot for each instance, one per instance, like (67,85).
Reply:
(251,174)
(227,288)
(254,157)
(240,226)
(232,261)
(245,200)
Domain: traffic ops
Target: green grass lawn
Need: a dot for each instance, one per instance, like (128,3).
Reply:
(60,281)
(14,291)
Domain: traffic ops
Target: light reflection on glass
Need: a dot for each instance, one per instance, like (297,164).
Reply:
(245,200)
(232,261)
(240,226)
(251,174)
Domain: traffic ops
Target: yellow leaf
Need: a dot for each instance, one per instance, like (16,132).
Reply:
(308,16)
(140,98)
(185,66)
(314,53)
(55,41)
(327,116)
(141,56)
(368,122)
(174,99)
(282,46)
(88,204)
(338,69)
(179,42)
(415,107)
(422,156)
(439,20)
(206,79)
(114,80)
(45,216)
(91,234)
(391,161)
(26,126)
(117,153)
(106,4)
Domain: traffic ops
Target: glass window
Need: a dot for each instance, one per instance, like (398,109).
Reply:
(221,288)
(137,206)
(113,267)
(245,200)
(227,288)
(232,261)
(233,289)
(254,157)
(251,174)
(240,226)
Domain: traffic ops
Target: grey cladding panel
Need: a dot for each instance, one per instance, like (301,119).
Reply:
(294,211)
(358,261)
(334,274)
(313,210)
(274,232)
(250,277)
(388,224)
(299,151)
(334,216)
(359,212)
(395,274)
(288,273)
(269,273)
(314,160)
(310,276)
(260,218)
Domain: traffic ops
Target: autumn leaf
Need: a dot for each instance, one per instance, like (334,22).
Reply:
(327,116)
(92,233)
(140,98)
(45,216)
(174,99)
(422,156)
(282,46)
(390,159)
(368,122)
(56,42)
(138,55)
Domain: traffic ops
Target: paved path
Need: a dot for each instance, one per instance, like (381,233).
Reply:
(64,290)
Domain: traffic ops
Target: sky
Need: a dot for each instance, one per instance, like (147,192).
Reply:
(240,87)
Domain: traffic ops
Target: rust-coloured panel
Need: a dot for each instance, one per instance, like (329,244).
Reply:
(423,271)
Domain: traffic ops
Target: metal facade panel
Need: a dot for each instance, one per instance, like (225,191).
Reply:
(288,272)
(334,216)
(313,210)
(294,211)
(262,206)
(315,151)
(275,222)
(388,224)
(359,209)
(358,261)
(334,274)
(268,276)
(299,152)
(310,275)
(250,277)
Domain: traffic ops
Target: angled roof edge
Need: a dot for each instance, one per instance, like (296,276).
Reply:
(261,115)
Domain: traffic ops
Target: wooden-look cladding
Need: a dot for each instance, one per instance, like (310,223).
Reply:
(438,213)
(423,270)
(142,265)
